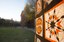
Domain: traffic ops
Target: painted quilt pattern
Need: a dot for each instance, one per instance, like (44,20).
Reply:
(39,25)
(54,24)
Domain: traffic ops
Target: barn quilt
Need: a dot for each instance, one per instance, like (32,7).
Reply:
(54,24)
(39,27)
(38,6)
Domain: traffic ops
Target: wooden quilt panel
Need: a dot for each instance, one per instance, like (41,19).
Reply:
(54,24)
(39,27)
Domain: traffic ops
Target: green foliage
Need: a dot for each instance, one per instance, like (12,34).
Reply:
(7,22)
(30,12)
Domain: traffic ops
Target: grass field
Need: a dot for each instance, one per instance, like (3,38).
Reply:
(12,34)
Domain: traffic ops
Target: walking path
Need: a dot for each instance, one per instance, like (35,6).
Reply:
(27,28)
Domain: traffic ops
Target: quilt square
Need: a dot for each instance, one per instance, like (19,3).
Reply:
(54,24)
(39,27)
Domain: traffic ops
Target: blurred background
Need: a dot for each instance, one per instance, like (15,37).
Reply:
(17,20)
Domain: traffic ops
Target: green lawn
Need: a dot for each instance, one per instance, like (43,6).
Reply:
(12,34)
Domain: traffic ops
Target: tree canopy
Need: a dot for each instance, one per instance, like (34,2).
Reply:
(29,12)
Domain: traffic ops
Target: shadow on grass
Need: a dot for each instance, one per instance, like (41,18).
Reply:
(8,34)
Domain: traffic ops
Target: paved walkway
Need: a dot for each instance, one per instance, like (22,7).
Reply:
(27,28)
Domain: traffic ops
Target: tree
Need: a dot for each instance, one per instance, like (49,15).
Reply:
(31,2)
(28,14)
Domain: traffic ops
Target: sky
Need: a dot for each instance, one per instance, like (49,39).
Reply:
(11,9)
